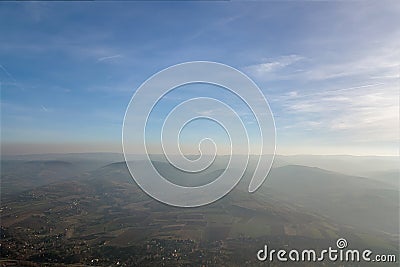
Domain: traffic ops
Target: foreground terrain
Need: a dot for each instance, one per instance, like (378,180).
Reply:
(100,217)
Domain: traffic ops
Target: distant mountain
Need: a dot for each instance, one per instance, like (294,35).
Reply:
(48,163)
(389,177)
(356,201)
(346,164)
(100,156)
(171,173)
(17,175)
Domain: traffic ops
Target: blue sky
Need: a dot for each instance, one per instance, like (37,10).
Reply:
(330,71)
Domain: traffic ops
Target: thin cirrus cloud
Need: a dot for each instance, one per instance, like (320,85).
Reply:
(273,65)
(352,98)
(348,101)
(376,64)
(360,114)
(107,58)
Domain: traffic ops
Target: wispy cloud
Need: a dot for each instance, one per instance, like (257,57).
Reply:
(273,64)
(377,64)
(44,108)
(352,97)
(363,113)
(7,73)
(108,58)
(11,77)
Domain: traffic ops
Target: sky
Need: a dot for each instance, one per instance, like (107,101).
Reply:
(329,70)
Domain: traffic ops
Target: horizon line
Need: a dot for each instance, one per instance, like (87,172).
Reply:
(159,154)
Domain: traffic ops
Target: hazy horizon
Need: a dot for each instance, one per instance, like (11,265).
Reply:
(121,153)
